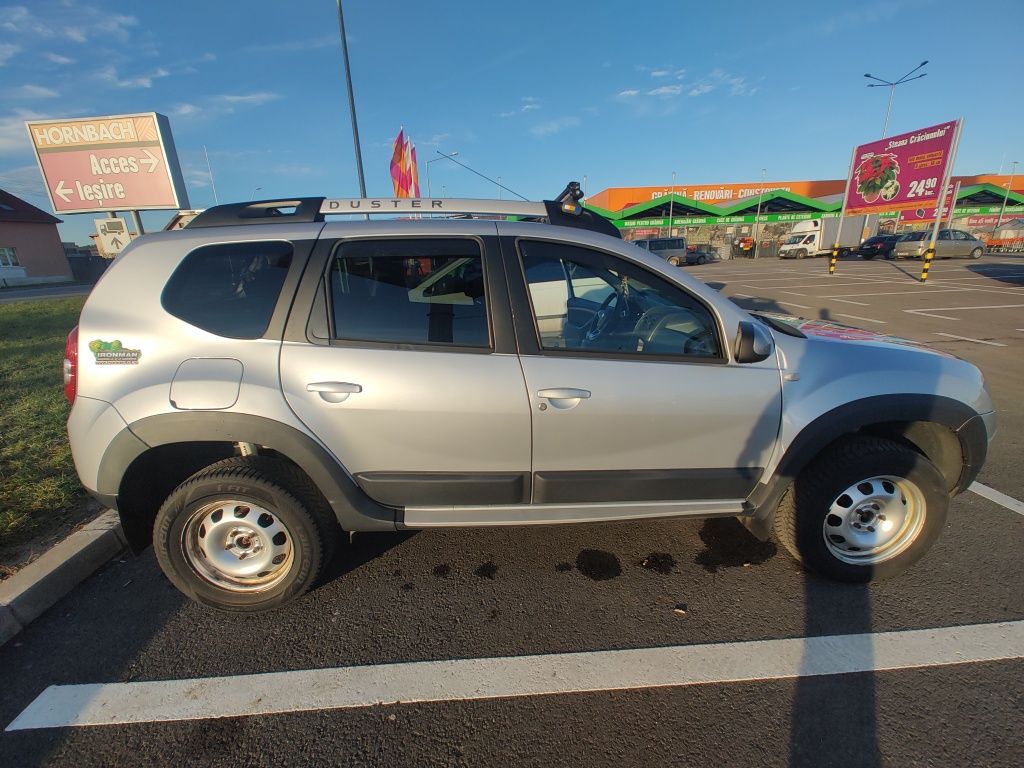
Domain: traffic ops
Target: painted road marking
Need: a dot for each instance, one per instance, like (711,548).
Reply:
(929,311)
(866,319)
(848,301)
(793,293)
(998,497)
(517,676)
(798,306)
(743,295)
(968,338)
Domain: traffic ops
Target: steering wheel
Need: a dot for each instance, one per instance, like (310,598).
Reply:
(602,321)
(655,320)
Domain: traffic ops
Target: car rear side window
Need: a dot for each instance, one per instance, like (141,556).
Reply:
(229,289)
(410,291)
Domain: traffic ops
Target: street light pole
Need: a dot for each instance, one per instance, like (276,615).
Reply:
(1002,208)
(254,191)
(757,218)
(892,90)
(671,200)
(351,102)
(426,165)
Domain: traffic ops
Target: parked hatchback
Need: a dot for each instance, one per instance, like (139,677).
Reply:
(879,245)
(951,242)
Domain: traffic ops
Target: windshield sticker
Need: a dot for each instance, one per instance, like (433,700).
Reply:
(113,353)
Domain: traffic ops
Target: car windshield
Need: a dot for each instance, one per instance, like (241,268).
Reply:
(793,239)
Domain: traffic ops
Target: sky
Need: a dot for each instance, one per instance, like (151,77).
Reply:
(537,93)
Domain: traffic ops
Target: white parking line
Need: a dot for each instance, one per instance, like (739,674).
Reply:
(744,295)
(866,319)
(929,311)
(798,306)
(517,676)
(793,293)
(968,338)
(858,303)
(998,497)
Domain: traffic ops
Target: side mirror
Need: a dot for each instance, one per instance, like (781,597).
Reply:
(754,342)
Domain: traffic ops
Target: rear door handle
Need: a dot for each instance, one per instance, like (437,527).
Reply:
(334,391)
(564,397)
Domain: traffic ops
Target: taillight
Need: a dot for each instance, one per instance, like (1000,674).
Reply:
(71,365)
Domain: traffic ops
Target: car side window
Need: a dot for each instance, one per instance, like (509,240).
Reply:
(944,235)
(614,307)
(229,289)
(961,235)
(409,291)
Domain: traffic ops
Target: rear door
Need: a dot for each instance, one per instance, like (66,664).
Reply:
(635,399)
(400,357)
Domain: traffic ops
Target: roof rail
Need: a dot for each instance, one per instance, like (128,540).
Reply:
(566,210)
(297,210)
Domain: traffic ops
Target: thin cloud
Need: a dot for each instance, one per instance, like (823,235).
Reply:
(628,93)
(56,58)
(7,51)
(660,73)
(549,127)
(13,136)
(666,90)
(36,92)
(110,75)
(245,99)
(700,89)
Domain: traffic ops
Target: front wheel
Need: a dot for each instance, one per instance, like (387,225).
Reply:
(801,254)
(867,256)
(245,534)
(976,253)
(866,509)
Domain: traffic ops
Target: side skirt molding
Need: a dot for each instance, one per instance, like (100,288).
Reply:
(543,514)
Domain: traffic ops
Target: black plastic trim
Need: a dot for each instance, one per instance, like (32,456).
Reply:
(857,415)
(580,218)
(354,510)
(307,209)
(643,485)
(400,489)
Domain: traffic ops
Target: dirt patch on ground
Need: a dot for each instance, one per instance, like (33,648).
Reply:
(14,557)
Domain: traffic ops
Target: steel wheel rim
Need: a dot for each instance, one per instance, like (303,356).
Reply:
(238,545)
(874,520)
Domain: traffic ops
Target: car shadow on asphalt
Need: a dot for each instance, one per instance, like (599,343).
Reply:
(1013,278)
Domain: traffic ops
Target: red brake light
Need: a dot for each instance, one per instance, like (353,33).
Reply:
(71,365)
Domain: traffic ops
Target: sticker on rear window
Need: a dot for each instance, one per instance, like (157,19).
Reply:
(113,353)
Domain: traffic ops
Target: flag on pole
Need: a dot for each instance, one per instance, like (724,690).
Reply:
(398,162)
(414,188)
(406,170)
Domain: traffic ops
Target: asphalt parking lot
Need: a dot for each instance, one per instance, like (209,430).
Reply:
(730,653)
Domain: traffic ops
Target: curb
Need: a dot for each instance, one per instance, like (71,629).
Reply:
(35,588)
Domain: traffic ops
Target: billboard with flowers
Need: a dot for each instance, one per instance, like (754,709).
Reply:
(902,172)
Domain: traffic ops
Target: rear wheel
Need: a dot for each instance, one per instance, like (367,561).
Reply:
(245,534)
(675,261)
(867,256)
(702,259)
(866,509)
(976,253)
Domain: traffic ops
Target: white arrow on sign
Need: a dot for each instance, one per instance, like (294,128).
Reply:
(62,191)
(150,159)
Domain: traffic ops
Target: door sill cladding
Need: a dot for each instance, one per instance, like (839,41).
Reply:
(541,514)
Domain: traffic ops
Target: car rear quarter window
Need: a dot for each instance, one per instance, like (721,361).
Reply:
(409,291)
(229,289)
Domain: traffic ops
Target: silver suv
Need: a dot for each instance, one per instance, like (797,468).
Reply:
(247,387)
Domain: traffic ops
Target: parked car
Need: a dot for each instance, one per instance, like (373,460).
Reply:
(699,255)
(879,245)
(950,243)
(247,387)
(671,249)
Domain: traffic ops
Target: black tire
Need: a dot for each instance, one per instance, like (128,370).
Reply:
(291,500)
(702,260)
(800,521)
(801,254)
(675,261)
(976,253)
(890,256)
(867,256)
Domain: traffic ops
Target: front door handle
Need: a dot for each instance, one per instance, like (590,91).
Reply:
(564,397)
(334,391)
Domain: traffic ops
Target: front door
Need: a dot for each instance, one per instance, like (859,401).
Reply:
(631,390)
(403,375)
